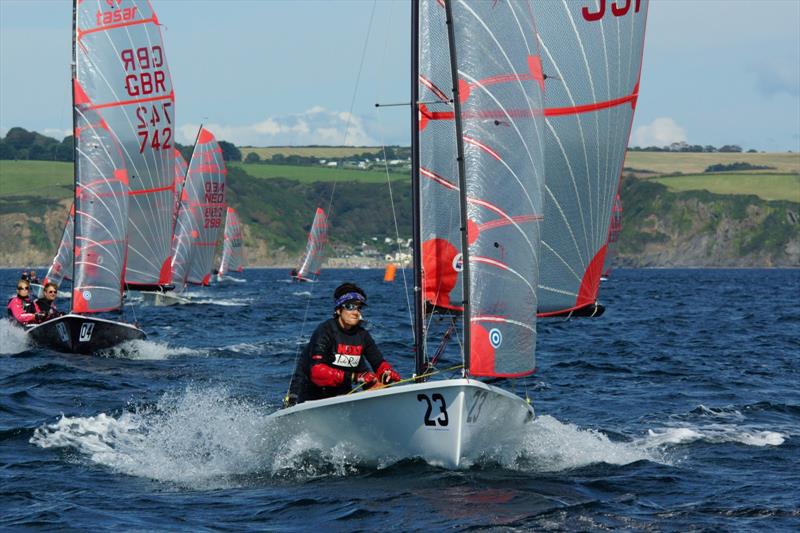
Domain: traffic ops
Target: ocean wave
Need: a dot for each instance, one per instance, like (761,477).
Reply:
(146,351)
(13,339)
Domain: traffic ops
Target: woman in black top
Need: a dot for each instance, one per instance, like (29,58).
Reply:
(336,357)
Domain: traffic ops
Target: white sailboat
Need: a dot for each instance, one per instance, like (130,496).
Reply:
(61,267)
(315,249)
(101,200)
(481,145)
(232,256)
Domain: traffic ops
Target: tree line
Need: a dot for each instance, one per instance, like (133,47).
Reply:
(20,143)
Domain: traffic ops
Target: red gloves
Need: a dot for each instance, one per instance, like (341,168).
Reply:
(387,373)
(368,379)
(325,376)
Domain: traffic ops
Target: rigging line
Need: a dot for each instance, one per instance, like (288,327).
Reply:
(333,188)
(389,181)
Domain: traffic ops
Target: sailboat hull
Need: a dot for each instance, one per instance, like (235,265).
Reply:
(162,299)
(447,423)
(83,334)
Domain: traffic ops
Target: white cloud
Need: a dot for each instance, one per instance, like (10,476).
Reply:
(56,133)
(313,126)
(774,77)
(661,132)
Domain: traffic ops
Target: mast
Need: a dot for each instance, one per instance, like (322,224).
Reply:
(462,182)
(419,338)
(74,77)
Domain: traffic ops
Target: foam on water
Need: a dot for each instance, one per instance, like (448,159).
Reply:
(307,294)
(146,350)
(13,339)
(715,434)
(193,438)
(551,446)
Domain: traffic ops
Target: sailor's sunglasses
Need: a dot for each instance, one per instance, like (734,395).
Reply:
(22,288)
(351,306)
(50,292)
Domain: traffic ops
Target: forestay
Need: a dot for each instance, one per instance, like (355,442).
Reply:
(315,246)
(205,188)
(591,55)
(500,101)
(61,267)
(101,211)
(232,258)
(122,66)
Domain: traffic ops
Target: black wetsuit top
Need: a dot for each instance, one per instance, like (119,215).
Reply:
(338,348)
(47,307)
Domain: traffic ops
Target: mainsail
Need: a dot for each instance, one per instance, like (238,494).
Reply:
(591,57)
(61,267)
(101,211)
(315,247)
(205,189)
(178,179)
(122,67)
(497,134)
(232,258)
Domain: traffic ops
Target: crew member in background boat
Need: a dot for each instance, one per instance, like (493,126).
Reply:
(335,359)
(21,307)
(46,305)
(32,277)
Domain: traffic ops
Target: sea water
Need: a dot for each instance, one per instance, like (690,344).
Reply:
(679,409)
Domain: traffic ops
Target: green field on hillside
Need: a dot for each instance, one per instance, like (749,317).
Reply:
(314,174)
(766,186)
(50,179)
(694,163)
(309,151)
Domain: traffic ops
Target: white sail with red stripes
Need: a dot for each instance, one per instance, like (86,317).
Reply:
(101,211)
(181,168)
(439,216)
(591,57)
(205,188)
(186,225)
(315,247)
(61,267)
(500,101)
(122,67)
(232,257)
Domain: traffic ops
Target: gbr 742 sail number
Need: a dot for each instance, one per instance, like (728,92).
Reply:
(154,127)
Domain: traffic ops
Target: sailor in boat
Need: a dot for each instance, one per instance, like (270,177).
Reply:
(46,305)
(21,308)
(335,359)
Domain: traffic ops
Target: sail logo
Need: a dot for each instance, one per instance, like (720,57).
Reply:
(458,263)
(115,16)
(87,295)
(86,332)
(495,338)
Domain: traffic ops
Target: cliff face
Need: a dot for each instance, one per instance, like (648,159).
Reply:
(659,228)
(701,229)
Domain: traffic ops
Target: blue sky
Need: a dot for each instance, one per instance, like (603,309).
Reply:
(280,72)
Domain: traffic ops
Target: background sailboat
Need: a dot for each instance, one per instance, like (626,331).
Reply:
(315,249)
(124,71)
(61,267)
(591,57)
(205,192)
(495,112)
(101,222)
(232,255)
